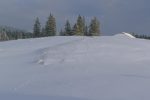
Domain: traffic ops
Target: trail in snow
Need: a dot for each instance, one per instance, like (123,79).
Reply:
(57,58)
(58,53)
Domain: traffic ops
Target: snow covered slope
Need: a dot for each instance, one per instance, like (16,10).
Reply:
(75,68)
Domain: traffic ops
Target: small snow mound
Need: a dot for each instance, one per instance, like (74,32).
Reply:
(128,34)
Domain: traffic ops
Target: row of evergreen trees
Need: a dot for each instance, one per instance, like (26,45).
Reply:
(80,28)
(141,36)
(9,33)
(48,30)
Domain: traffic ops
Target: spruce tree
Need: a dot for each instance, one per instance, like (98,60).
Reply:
(37,28)
(80,25)
(85,28)
(94,28)
(75,29)
(68,30)
(50,28)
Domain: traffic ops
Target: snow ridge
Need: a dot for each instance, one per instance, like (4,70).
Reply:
(128,34)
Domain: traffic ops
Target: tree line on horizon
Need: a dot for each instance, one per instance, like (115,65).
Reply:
(80,28)
(141,36)
(10,33)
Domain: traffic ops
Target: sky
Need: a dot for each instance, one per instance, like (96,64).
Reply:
(115,15)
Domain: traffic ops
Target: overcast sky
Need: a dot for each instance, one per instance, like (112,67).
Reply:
(115,15)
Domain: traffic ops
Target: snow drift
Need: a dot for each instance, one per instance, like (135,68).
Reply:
(128,34)
(124,35)
(75,68)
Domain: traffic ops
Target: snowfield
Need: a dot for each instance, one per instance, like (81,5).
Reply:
(75,68)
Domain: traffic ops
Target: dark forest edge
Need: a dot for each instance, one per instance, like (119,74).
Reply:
(79,28)
(10,33)
(140,36)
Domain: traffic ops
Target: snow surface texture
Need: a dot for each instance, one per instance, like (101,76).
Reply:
(75,68)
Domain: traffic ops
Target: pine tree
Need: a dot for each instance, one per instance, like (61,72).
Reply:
(94,28)
(50,28)
(37,28)
(85,28)
(80,25)
(68,30)
(75,29)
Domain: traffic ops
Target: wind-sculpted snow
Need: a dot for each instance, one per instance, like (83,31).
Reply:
(75,68)
(129,35)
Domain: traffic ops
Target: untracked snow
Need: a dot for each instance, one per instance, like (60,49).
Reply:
(75,68)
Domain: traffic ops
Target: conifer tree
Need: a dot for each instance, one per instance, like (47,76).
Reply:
(80,25)
(37,28)
(84,25)
(75,29)
(94,28)
(50,28)
(68,30)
